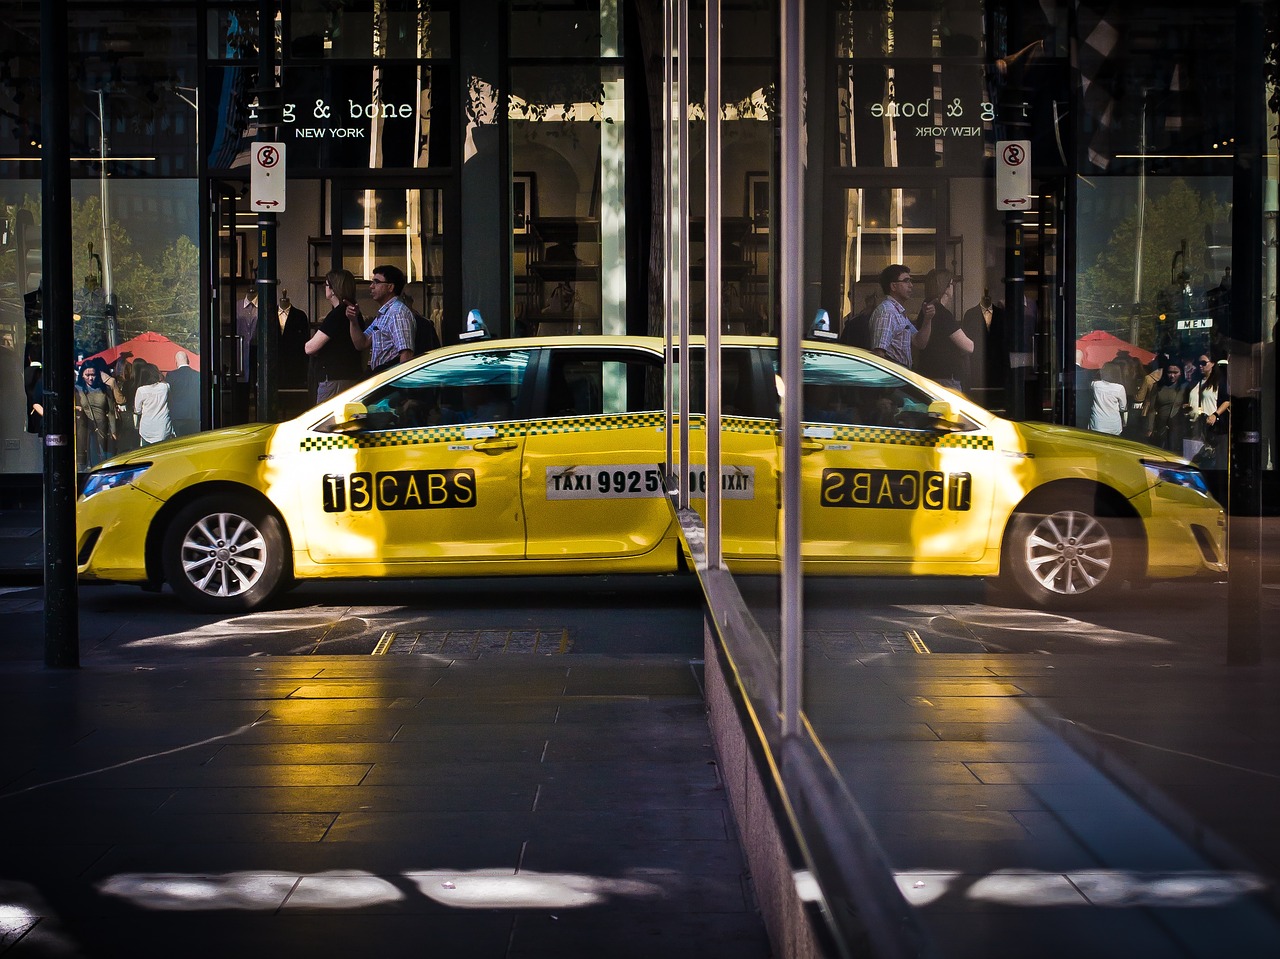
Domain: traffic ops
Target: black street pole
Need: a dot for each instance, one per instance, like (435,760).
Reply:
(1244,334)
(61,609)
(268,114)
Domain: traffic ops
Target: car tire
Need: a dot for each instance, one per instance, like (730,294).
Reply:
(1064,557)
(225,554)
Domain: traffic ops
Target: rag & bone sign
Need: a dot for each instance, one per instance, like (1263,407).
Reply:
(323,120)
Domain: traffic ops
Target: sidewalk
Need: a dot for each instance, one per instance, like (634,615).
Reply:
(1029,805)
(371,806)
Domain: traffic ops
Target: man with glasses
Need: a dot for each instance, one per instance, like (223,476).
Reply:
(893,335)
(389,337)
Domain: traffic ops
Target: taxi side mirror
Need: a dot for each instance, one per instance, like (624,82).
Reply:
(943,418)
(352,419)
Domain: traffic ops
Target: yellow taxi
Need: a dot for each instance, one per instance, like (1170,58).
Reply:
(545,455)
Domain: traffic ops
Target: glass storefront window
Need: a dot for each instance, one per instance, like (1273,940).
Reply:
(567,134)
(567,29)
(369,29)
(232,32)
(135,211)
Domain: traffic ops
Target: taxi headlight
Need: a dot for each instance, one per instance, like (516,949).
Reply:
(1177,474)
(112,477)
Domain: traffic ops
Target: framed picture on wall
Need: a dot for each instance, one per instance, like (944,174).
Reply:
(523,201)
(757,202)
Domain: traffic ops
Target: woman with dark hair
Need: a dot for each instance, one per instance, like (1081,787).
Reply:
(151,405)
(95,416)
(1168,407)
(1211,407)
(122,386)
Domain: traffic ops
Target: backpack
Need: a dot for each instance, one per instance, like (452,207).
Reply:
(425,337)
(857,331)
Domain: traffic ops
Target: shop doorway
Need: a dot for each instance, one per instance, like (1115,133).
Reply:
(328,224)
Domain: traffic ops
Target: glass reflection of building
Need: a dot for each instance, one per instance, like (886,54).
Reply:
(504,154)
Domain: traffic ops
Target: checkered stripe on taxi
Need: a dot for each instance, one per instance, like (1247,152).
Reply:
(616,421)
(465,433)
(895,437)
(417,436)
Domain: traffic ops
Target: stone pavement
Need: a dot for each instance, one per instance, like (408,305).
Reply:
(1028,805)
(367,806)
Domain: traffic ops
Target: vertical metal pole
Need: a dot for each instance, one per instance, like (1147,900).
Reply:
(791,285)
(268,112)
(712,285)
(682,224)
(61,604)
(668,252)
(1015,285)
(1244,482)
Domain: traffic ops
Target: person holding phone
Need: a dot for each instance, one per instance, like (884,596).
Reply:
(337,361)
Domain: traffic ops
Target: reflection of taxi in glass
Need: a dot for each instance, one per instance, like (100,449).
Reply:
(545,456)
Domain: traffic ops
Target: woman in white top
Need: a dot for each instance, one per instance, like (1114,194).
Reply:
(151,405)
(1210,396)
(1110,401)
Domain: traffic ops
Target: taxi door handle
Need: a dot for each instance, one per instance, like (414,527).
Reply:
(494,447)
(811,446)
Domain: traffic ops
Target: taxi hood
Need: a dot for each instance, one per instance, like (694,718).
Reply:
(1055,435)
(186,444)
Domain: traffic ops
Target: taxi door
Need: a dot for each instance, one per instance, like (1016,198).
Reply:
(431,474)
(750,501)
(594,455)
(882,486)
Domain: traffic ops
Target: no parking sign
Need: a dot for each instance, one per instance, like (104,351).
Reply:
(266,180)
(1013,175)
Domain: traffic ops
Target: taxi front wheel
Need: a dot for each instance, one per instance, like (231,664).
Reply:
(224,554)
(1067,558)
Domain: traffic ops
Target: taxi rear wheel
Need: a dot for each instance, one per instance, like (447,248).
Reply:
(224,554)
(1065,557)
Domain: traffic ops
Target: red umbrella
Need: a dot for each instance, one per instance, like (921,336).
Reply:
(154,348)
(1096,348)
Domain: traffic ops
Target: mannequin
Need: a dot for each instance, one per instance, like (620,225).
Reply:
(989,365)
(289,338)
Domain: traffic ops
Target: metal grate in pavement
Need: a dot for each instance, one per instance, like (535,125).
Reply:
(838,644)
(473,642)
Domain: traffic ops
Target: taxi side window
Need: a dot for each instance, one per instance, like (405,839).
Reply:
(485,387)
(587,383)
(846,390)
(737,390)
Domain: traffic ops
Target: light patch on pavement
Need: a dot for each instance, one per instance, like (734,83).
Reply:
(356,889)
(1108,888)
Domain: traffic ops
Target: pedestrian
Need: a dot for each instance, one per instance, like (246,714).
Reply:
(334,358)
(184,395)
(946,356)
(893,335)
(1168,409)
(151,405)
(95,417)
(1211,409)
(389,336)
(1110,400)
(855,328)
(122,384)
